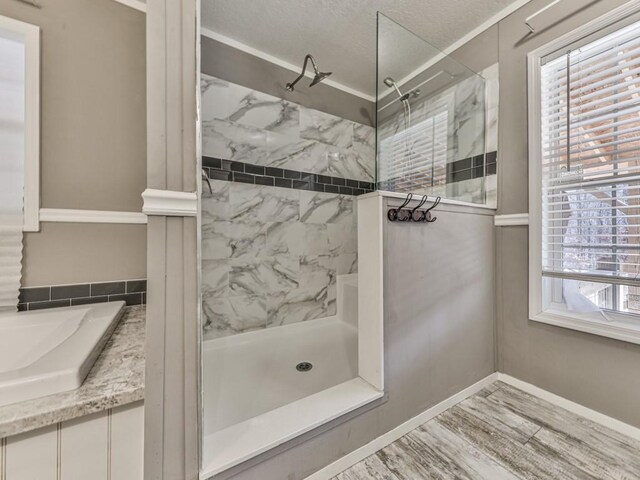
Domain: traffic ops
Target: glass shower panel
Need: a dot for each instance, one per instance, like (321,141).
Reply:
(430,113)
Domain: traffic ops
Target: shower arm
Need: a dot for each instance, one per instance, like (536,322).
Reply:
(304,69)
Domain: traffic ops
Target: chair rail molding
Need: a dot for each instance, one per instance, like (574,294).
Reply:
(169,203)
(512,219)
(68,215)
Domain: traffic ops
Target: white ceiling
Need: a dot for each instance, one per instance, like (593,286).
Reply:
(341,34)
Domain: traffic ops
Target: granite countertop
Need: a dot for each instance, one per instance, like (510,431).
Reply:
(117,378)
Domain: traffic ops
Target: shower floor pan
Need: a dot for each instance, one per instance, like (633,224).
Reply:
(265,387)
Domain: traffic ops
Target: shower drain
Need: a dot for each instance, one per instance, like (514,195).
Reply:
(304,366)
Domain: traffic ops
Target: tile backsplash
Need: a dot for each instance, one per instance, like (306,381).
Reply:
(133,292)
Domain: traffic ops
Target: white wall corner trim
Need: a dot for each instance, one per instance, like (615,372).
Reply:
(169,203)
(573,407)
(512,219)
(139,5)
(64,215)
(382,441)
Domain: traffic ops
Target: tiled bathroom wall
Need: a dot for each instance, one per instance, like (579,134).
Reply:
(252,127)
(271,254)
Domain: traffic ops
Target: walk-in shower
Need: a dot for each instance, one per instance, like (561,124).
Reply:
(279,264)
(290,341)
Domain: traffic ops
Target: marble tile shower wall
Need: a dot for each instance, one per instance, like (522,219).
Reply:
(270,255)
(252,127)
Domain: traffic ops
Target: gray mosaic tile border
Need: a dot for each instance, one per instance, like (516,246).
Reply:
(232,171)
(133,292)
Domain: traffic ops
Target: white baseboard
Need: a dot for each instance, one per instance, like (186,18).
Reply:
(382,441)
(576,408)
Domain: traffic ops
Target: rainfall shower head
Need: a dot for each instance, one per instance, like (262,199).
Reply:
(319,77)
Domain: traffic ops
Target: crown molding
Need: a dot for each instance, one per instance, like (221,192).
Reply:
(278,61)
(486,25)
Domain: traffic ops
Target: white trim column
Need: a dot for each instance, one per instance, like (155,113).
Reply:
(172,342)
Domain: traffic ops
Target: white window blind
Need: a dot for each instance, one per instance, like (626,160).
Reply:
(416,156)
(590,133)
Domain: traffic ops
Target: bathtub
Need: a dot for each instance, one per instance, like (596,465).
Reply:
(50,351)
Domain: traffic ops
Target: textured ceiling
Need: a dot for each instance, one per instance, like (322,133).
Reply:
(341,34)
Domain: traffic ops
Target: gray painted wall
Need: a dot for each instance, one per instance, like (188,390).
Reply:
(93,137)
(232,65)
(597,372)
(79,252)
(439,332)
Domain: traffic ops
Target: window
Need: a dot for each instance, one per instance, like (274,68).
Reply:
(20,122)
(585,178)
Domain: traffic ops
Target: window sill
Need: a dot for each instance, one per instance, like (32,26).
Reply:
(619,327)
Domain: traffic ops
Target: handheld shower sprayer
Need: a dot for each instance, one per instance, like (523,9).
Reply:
(390,82)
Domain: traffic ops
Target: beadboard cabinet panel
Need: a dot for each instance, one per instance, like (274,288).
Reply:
(108,445)
(84,447)
(33,455)
(127,442)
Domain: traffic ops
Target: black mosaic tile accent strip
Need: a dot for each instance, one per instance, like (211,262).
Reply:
(472,167)
(230,171)
(133,292)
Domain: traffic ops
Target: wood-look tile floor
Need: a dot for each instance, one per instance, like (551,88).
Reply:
(504,433)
